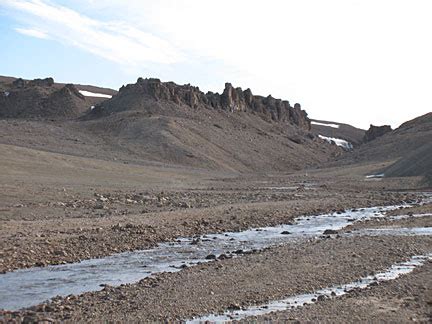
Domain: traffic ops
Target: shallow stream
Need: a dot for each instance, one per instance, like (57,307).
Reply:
(391,273)
(27,287)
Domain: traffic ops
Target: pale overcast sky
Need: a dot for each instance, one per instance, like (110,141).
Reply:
(359,62)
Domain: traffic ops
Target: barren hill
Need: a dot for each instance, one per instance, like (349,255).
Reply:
(234,130)
(403,152)
(43,98)
(331,129)
(4,80)
(398,143)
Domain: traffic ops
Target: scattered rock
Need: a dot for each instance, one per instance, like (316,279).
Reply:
(321,297)
(210,257)
(330,232)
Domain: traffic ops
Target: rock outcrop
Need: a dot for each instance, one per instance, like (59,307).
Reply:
(376,131)
(21,83)
(39,98)
(232,99)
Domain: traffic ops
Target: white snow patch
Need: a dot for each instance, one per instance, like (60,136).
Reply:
(338,141)
(323,124)
(374,176)
(94,94)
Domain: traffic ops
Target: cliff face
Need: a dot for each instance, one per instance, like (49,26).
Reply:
(232,99)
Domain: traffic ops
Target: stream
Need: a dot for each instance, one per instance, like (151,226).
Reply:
(391,273)
(27,287)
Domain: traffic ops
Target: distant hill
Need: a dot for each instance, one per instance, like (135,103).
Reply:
(91,88)
(337,130)
(40,99)
(398,143)
(235,130)
(44,98)
(408,148)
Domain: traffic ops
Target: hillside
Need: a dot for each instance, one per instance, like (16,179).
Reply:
(235,130)
(416,163)
(398,143)
(44,98)
(337,130)
(40,99)
(164,123)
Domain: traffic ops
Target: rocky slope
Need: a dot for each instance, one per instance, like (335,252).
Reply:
(234,130)
(136,96)
(396,144)
(403,152)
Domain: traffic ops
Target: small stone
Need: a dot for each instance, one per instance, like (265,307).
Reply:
(330,232)
(223,257)
(321,298)
(234,307)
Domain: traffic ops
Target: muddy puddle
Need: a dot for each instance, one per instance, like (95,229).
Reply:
(27,287)
(331,292)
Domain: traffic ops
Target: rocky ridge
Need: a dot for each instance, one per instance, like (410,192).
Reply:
(232,99)
(39,98)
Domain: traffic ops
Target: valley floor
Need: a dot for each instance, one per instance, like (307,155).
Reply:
(57,208)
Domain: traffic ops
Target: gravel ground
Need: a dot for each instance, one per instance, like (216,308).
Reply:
(41,241)
(58,208)
(234,283)
(388,222)
(404,300)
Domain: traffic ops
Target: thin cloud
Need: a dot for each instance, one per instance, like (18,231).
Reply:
(114,41)
(32,33)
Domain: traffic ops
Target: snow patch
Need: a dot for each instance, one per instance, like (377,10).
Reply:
(375,176)
(338,141)
(323,124)
(94,94)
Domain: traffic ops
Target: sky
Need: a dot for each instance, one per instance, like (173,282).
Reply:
(354,61)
